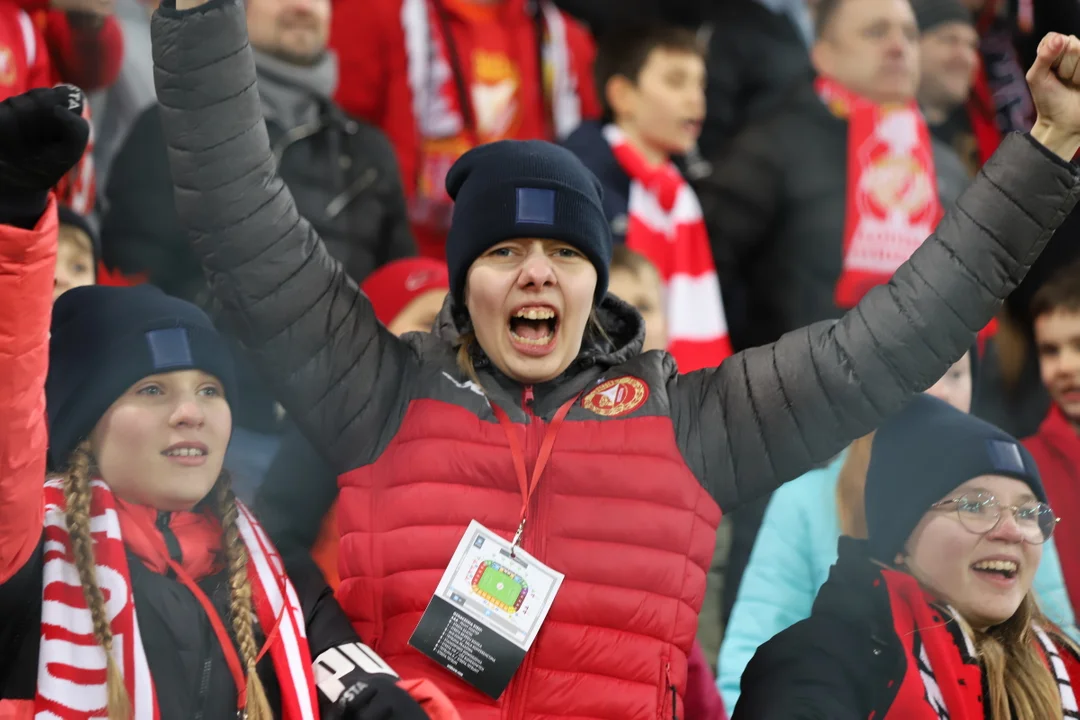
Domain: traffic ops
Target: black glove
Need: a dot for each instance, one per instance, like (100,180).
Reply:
(42,136)
(376,697)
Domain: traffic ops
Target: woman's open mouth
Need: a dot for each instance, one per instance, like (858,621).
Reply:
(998,572)
(533,329)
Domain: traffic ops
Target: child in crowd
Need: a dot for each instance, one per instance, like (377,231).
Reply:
(78,249)
(652,85)
(636,280)
(933,615)
(1055,310)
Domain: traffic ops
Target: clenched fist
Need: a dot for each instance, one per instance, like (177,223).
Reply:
(42,136)
(1054,79)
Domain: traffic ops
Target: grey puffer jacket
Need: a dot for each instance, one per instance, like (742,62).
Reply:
(421,453)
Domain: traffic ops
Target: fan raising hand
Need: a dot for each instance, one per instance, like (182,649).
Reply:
(1054,79)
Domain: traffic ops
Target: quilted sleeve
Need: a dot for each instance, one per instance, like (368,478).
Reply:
(338,372)
(768,414)
(27,266)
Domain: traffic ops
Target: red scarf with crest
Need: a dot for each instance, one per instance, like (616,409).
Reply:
(892,199)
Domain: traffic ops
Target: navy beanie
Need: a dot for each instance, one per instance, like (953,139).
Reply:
(921,455)
(105,339)
(524,189)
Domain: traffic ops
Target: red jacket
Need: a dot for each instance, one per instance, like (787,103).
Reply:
(498,55)
(1056,449)
(88,57)
(24,59)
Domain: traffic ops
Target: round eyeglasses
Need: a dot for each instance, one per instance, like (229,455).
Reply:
(980,512)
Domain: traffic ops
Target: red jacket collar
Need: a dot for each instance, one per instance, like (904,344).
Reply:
(192,538)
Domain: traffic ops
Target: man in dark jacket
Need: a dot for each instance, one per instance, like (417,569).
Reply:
(777,199)
(341,172)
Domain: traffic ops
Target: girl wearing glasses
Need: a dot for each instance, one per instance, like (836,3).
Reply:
(933,615)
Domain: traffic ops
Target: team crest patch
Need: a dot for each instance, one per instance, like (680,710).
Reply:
(616,397)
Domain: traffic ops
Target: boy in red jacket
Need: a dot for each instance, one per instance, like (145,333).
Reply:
(441,76)
(1055,310)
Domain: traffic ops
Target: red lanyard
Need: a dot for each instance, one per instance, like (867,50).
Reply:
(224,640)
(529,487)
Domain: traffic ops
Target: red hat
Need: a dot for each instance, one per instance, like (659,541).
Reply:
(396,284)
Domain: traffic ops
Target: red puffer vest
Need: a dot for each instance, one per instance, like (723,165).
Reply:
(616,510)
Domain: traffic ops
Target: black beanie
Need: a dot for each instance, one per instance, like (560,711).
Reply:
(931,13)
(922,454)
(524,189)
(105,339)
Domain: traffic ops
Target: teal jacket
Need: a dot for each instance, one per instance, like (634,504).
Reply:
(792,555)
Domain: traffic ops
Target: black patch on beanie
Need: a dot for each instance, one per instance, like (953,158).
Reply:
(524,189)
(105,339)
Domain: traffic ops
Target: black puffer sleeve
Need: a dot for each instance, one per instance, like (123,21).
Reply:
(341,375)
(769,414)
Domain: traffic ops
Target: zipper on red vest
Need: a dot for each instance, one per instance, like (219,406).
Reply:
(527,399)
(671,687)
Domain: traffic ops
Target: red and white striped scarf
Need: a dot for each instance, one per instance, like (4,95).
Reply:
(665,225)
(71,666)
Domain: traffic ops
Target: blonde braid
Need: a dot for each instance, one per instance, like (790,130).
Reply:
(258,707)
(77,512)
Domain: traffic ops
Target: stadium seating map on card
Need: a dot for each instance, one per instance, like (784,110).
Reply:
(508,594)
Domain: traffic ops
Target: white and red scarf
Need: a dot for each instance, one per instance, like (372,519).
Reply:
(665,225)
(892,198)
(437,111)
(71,666)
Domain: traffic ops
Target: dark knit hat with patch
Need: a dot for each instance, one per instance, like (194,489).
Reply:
(524,189)
(921,455)
(929,14)
(105,339)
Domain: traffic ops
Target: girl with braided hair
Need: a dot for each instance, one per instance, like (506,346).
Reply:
(133,584)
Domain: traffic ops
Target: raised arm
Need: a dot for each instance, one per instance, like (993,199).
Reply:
(339,373)
(768,414)
(42,135)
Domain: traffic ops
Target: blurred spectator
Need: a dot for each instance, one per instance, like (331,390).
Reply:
(84,42)
(756,56)
(407,295)
(341,171)
(441,76)
(603,16)
(1001,73)
(78,248)
(798,540)
(813,206)
(949,51)
(779,204)
(932,616)
(799,13)
(120,105)
(24,59)
(634,279)
(1056,446)
(652,81)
